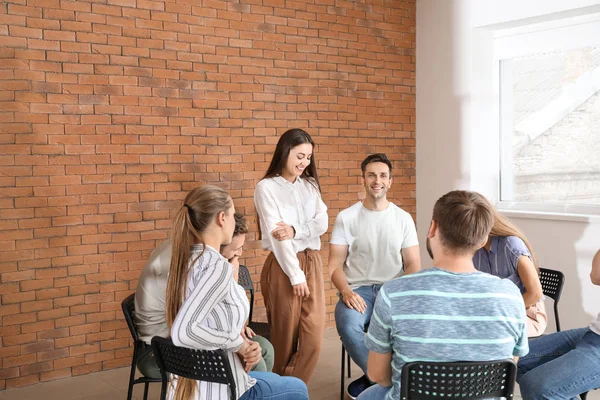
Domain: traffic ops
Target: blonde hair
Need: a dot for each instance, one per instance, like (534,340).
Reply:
(200,208)
(505,227)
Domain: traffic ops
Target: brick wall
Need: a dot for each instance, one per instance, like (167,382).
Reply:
(111,110)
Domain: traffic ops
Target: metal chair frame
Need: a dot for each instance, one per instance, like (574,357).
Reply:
(128,307)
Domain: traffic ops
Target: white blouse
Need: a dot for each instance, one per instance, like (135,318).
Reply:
(298,204)
(212,317)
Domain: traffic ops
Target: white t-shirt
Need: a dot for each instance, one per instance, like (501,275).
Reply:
(595,326)
(375,240)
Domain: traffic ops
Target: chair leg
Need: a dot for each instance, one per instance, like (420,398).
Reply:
(343,373)
(163,390)
(349,365)
(131,378)
(146,391)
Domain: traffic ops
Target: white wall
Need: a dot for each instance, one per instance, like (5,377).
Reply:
(457,133)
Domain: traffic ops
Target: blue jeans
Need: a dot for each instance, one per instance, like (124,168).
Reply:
(270,386)
(375,392)
(561,365)
(351,324)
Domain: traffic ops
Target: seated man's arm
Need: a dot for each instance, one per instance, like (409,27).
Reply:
(412,259)
(337,258)
(379,368)
(595,274)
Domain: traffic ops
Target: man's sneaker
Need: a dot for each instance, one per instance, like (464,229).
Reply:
(358,386)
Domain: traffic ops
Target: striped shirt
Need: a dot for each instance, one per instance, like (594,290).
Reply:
(212,317)
(437,315)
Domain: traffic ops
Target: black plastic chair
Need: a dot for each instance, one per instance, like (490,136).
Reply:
(201,365)
(128,306)
(244,280)
(458,380)
(552,286)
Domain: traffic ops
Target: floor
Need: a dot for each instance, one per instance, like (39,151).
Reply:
(112,385)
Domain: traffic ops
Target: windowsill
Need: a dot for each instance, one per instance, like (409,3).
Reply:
(518,210)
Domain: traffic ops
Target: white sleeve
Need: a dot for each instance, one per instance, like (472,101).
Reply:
(338,235)
(316,226)
(283,250)
(409,237)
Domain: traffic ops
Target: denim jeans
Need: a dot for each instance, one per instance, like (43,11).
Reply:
(375,392)
(351,324)
(270,386)
(561,365)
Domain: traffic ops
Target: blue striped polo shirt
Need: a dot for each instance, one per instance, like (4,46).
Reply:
(437,315)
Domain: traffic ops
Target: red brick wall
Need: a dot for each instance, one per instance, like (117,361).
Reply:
(111,110)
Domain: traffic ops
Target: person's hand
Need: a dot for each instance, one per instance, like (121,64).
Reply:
(353,301)
(283,231)
(252,355)
(248,332)
(301,290)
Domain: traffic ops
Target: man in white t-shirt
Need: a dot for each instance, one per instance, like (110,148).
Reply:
(564,364)
(372,242)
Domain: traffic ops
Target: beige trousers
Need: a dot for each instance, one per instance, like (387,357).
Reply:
(297,324)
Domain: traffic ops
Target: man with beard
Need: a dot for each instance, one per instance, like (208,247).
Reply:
(450,312)
(372,242)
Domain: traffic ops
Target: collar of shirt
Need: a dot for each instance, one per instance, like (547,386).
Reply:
(282,181)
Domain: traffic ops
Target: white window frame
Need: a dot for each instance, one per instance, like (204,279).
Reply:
(561,34)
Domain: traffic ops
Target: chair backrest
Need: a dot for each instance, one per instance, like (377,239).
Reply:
(201,365)
(552,283)
(422,380)
(128,306)
(245,281)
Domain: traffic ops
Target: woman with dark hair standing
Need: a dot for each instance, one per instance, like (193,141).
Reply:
(292,218)
(207,310)
(508,254)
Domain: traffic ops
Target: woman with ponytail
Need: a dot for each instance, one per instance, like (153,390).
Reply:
(508,254)
(292,218)
(206,309)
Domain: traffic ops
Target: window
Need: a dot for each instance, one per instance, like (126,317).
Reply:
(549,85)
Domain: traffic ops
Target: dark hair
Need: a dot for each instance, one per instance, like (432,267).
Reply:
(290,139)
(373,158)
(464,219)
(241,226)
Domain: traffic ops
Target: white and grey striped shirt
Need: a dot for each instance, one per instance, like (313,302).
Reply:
(212,317)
